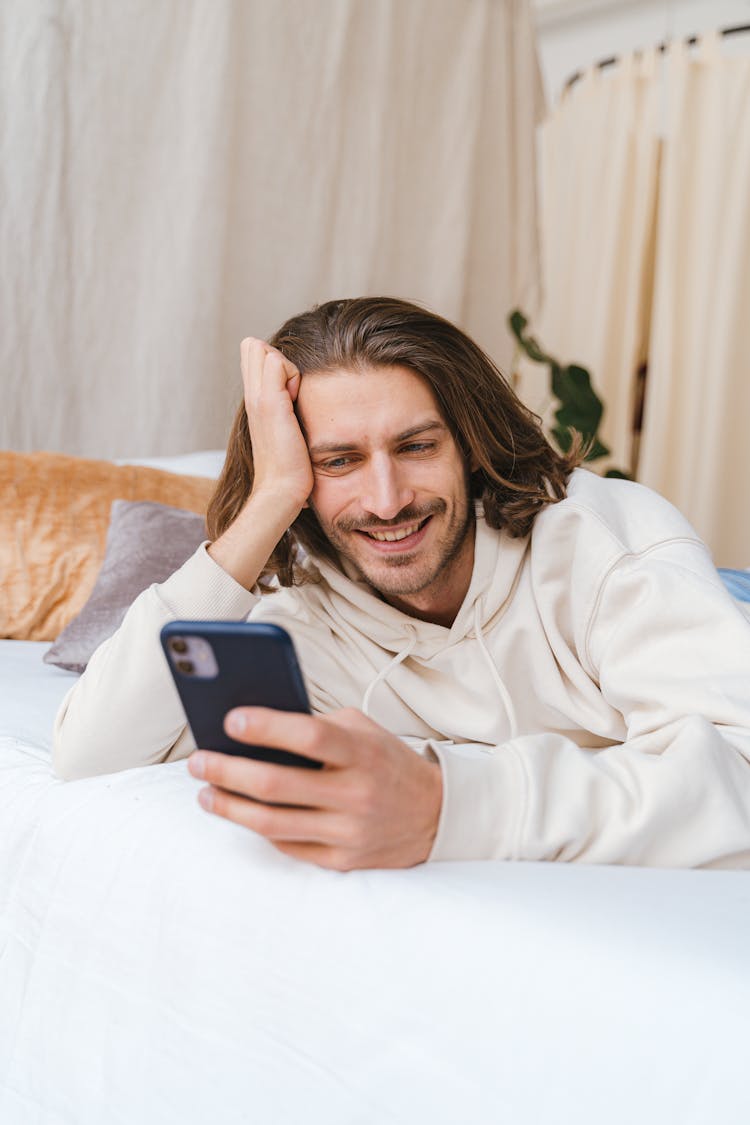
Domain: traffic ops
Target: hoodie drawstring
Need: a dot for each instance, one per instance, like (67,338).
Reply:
(504,693)
(386,671)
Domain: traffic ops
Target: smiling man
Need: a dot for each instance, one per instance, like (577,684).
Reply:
(507,656)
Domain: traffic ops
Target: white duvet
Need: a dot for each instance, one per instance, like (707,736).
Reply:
(161,965)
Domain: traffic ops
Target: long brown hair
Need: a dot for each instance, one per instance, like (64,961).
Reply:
(518,471)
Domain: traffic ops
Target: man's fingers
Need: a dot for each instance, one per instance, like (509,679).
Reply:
(323,855)
(278,373)
(266,368)
(267,781)
(314,736)
(252,354)
(282,824)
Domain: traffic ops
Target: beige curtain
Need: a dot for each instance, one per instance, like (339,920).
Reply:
(176,175)
(645,232)
(599,153)
(694,446)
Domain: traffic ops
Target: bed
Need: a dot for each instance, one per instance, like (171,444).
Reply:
(161,965)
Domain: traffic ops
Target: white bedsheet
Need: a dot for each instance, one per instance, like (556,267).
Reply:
(30,692)
(160,965)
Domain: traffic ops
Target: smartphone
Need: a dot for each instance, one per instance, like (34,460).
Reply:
(218,665)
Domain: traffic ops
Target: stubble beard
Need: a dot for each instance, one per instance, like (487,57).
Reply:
(389,578)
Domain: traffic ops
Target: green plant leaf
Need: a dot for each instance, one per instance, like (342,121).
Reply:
(517,322)
(580,407)
(528,344)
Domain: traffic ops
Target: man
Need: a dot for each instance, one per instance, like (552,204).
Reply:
(557,648)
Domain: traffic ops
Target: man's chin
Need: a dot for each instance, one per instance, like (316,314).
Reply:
(392,577)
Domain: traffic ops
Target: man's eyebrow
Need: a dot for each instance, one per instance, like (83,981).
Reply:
(421,428)
(349,447)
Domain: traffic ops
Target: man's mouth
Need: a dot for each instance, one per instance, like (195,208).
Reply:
(409,534)
(394,536)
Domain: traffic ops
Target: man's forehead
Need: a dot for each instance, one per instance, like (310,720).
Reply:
(343,407)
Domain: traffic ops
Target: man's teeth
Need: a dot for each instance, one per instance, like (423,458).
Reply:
(394,536)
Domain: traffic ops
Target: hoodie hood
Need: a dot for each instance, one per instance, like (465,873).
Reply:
(343,596)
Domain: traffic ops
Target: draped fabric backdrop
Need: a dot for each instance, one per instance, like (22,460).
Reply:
(175,176)
(599,160)
(646,258)
(695,444)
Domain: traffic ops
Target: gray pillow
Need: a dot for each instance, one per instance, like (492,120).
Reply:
(146,542)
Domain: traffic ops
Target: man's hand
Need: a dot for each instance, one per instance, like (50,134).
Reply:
(375,803)
(281,462)
(282,472)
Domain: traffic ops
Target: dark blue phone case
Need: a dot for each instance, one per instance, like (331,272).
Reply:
(257,666)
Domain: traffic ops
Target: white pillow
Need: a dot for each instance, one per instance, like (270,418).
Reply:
(203,463)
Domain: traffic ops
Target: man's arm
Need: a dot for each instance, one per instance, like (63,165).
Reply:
(282,473)
(673,655)
(671,652)
(124,711)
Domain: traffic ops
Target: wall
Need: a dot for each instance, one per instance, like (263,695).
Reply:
(573,34)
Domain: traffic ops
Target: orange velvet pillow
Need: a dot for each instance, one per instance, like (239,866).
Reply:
(54,515)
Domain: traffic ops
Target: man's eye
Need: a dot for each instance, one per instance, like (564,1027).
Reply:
(337,463)
(417,447)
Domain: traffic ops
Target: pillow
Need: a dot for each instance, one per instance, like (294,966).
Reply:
(737,582)
(146,543)
(53,528)
(203,463)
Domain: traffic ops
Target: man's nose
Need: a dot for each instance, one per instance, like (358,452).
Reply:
(387,491)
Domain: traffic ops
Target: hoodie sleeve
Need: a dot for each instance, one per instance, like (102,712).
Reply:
(124,711)
(671,653)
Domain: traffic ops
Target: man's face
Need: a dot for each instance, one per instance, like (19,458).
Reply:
(391,488)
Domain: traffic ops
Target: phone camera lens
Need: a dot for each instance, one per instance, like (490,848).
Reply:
(186,667)
(178,645)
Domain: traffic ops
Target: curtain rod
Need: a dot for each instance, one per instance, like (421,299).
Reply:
(690,42)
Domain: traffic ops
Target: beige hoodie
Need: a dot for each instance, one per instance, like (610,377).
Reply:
(591,701)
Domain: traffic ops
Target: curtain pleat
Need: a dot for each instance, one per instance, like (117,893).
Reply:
(694,446)
(176,176)
(599,156)
(645,234)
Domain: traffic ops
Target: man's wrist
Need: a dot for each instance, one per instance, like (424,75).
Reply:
(275,505)
(247,544)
